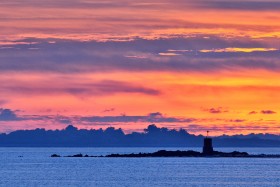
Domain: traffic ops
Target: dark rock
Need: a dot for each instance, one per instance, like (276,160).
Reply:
(77,155)
(55,155)
(190,153)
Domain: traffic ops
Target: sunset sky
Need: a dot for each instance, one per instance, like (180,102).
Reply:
(193,64)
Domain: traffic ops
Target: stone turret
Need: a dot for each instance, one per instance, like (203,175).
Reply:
(207,147)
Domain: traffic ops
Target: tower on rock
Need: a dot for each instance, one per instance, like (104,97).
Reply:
(207,147)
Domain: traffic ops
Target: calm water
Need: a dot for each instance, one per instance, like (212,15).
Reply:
(34,167)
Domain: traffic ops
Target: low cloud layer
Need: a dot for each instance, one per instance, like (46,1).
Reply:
(228,128)
(128,122)
(156,117)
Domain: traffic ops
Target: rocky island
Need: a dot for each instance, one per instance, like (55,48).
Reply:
(164,153)
(208,151)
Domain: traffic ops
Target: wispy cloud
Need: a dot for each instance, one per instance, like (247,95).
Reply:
(169,54)
(109,110)
(263,112)
(218,110)
(195,128)
(252,5)
(105,87)
(236,50)
(156,117)
(252,112)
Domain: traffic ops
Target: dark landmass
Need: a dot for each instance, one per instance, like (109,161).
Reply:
(74,156)
(190,153)
(164,153)
(207,151)
(111,137)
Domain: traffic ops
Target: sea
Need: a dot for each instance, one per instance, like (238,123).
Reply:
(34,167)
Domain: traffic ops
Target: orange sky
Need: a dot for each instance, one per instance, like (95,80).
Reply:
(198,65)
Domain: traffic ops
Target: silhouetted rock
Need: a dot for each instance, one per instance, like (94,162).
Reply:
(55,155)
(190,153)
(77,155)
(208,151)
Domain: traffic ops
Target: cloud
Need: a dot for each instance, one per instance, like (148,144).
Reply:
(254,5)
(236,50)
(124,87)
(8,115)
(216,110)
(237,120)
(174,4)
(64,120)
(63,4)
(66,56)
(109,110)
(216,126)
(169,54)
(226,128)
(119,20)
(268,112)
(262,112)
(105,87)
(150,118)
(252,112)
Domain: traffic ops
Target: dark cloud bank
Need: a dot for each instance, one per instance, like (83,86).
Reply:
(8,115)
(152,135)
(156,117)
(111,137)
